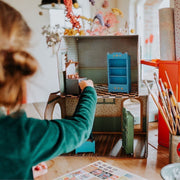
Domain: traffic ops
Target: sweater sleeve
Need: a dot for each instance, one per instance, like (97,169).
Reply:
(49,139)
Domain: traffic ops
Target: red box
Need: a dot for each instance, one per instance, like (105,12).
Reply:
(173,71)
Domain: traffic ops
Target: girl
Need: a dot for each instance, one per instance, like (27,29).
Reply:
(25,142)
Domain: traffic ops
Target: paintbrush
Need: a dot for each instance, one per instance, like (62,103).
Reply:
(173,96)
(167,102)
(174,112)
(159,106)
(170,108)
(161,95)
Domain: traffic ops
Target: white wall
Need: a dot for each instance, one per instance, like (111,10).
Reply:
(45,80)
(164,4)
(132,14)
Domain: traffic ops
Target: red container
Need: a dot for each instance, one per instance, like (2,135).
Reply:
(173,71)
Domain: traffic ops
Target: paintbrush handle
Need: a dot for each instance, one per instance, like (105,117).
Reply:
(158,105)
(161,95)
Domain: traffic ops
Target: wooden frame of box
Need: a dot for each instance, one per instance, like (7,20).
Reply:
(109,112)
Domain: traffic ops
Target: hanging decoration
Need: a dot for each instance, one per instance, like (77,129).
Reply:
(70,15)
(53,35)
(92,2)
(100,18)
(117,12)
(103,22)
(105,4)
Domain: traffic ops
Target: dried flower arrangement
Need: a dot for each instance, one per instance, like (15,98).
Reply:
(53,34)
(102,23)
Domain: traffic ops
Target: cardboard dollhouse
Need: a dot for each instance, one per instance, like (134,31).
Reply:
(90,52)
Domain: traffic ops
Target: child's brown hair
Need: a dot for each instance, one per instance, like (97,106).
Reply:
(15,63)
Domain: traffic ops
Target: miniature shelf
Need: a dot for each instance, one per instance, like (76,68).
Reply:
(119,76)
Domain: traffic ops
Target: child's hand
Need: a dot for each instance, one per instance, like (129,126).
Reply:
(86,83)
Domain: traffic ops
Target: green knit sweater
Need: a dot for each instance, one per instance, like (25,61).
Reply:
(25,142)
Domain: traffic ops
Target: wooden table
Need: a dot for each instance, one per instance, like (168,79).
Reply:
(158,157)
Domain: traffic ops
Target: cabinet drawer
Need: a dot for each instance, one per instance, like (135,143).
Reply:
(118,88)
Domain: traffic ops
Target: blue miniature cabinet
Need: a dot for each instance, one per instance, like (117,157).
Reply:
(119,73)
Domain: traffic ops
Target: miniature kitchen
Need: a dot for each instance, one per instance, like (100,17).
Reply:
(130,49)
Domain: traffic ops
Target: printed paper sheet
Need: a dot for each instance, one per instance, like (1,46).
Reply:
(100,170)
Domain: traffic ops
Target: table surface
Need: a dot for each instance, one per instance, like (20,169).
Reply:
(158,157)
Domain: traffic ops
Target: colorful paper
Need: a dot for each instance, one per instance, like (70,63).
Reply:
(100,170)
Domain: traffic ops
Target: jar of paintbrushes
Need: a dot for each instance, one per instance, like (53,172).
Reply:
(170,110)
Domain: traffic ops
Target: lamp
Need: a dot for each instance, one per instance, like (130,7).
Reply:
(54,4)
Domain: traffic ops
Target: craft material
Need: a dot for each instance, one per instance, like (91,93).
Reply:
(100,170)
(169,109)
(158,105)
(167,104)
